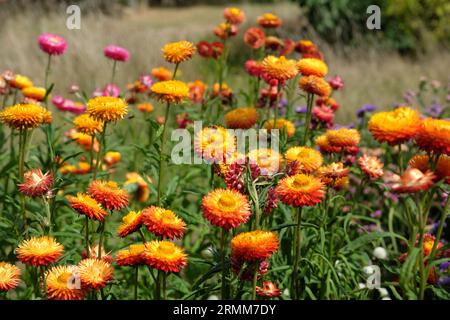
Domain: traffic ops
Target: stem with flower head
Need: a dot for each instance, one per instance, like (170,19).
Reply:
(48,213)
(310,100)
(101,148)
(47,74)
(225,291)
(277,105)
(100,241)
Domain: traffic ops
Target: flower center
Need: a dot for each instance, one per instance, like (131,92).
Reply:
(227,202)
(299,182)
(166,248)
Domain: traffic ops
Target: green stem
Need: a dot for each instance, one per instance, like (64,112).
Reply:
(86,236)
(310,100)
(48,213)
(101,149)
(136,280)
(113,73)
(297,254)
(225,286)
(277,105)
(161,153)
(255,281)
(100,241)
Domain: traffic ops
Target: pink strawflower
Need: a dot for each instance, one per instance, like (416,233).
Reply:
(336,83)
(111,90)
(52,44)
(58,101)
(35,183)
(116,53)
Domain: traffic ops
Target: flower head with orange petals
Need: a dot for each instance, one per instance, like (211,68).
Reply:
(165,256)
(170,91)
(88,206)
(234,15)
(312,67)
(442,167)
(177,52)
(343,137)
(434,136)
(269,20)
(39,251)
(112,157)
(254,245)
(25,116)
(215,144)
(280,68)
(60,283)
(108,194)
(86,124)
(35,93)
(20,82)
(395,127)
(300,190)
(268,160)
(325,146)
(139,185)
(131,256)
(107,109)
(130,223)
(94,273)
(412,181)
(241,118)
(35,183)
(282,125)
(163,222)
(268,290)
(226,208)
(9,276)
(371,166)
(162,74)
(303,159)
(315,85)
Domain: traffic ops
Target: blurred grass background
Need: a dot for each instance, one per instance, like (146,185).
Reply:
(372,74)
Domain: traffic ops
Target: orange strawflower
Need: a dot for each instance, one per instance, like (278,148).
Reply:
(88,206)
(197,91)
(315,85)
(371,166)
(20,82)
(163,222)
(83,140)
(226,208)
(303,159)
(434,136)
(112,157)
(94,273)
(234,15)
(39,251)
(412,181)
(62,283)
(162,74)
(86,124)
(254,245)
(279,68)
(176,52)
(165,256)
(145,107)
(268,160)
(268,290)
(108,194)
(343,137)
(35,93)
(142,191)
(130,223)
(312,67)
(215,144)
(9,276)
(107,109)
(395,127)
(300,190)
(241,118)
(25,116)
(131,256)
(325,146)
(171,91)
(442,167)
(269,20)
(35,183)
(281,124)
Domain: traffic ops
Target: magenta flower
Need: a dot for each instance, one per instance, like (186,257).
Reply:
(52,44)
(68,105)
(111,90)
(116,53)
(336,83)
(58,101)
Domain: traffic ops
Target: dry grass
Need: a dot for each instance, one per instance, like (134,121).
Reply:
(371,77)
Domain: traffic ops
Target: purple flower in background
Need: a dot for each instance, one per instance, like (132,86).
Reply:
(444,267)
(435,226)
(409,96)
(376,214)
(347,126)
(283,103)
(434,110)
(364,109)
(301,109)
